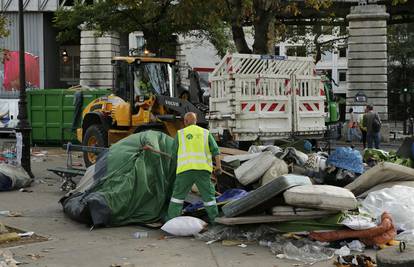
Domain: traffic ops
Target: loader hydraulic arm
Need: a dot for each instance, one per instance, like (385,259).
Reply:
(181,107)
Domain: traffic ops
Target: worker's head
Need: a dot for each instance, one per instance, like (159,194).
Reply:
(351,110)
(190,118)
(370,107)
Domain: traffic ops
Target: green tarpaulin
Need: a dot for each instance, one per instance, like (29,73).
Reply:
(128,185)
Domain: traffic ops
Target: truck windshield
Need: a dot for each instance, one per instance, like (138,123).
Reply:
(154,78)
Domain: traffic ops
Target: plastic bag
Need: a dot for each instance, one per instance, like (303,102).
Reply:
(358,222)
(398,201)
(184,226)
(301,250)
(407,236)
(346,158)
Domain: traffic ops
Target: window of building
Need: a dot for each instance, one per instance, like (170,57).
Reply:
(342,75)
(342,30)
(277,50)
(70,64)
(342,52)
(326,56)
(296,51)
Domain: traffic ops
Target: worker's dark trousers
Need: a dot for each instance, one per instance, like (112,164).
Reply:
(183,183)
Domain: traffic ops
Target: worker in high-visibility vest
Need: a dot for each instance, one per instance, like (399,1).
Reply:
(195,148)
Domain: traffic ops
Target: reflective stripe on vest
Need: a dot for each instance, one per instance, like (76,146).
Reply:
(193,150)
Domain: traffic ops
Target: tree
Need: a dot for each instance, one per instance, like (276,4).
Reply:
(401,67)
(216,20)
(158,20)
(4,31)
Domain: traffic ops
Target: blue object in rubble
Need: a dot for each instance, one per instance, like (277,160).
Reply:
(228,195)
(346,158)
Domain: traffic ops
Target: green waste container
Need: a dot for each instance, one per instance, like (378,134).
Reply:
(51,113)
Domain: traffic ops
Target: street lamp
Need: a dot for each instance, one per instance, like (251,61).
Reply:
(23,126)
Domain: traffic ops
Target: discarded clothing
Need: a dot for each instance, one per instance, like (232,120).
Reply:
(346,158)
(379,235)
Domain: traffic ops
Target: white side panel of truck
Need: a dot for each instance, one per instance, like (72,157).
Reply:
(259,97)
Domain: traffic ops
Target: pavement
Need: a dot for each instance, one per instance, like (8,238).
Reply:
(73,244)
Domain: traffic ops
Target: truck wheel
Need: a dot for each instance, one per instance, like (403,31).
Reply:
(95,135)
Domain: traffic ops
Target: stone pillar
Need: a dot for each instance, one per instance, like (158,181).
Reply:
(367,60)
(96,53)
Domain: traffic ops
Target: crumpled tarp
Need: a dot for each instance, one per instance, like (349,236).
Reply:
(130,185)
(346,158)
(13,177)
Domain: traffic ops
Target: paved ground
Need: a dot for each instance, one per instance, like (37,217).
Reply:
(72,244)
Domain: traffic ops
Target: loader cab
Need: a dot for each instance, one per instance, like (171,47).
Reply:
(138,78)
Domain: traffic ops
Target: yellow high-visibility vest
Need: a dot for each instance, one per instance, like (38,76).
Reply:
(193,150)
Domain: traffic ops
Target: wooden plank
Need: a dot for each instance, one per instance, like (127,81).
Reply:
(264,219)
(232,151)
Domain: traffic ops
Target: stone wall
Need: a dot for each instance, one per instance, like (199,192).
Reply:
(367,58)
(96,53)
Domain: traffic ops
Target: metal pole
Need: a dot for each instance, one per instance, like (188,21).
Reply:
(23,125)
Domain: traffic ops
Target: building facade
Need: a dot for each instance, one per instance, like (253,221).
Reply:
(44,55)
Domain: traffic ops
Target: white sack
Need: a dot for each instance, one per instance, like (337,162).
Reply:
(184,226)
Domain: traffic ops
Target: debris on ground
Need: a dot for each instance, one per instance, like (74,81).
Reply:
(6,259)
(13,177)
(139,235)
(10,213)
(355,261)
(303,205)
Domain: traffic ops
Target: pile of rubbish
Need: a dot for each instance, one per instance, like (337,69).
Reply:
(314,206)
(303,205)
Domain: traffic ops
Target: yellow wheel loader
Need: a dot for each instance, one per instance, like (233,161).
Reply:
(145,97)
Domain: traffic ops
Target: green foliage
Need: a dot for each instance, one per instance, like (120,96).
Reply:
(4,31)
(158,20)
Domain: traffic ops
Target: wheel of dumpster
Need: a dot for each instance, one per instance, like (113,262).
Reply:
(396,257)
(95,135)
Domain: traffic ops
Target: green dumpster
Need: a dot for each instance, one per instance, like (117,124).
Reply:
(51,113)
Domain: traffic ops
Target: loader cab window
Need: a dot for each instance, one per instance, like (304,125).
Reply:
(154,78)
(120,83)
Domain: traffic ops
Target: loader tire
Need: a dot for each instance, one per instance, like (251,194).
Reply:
(95,135)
